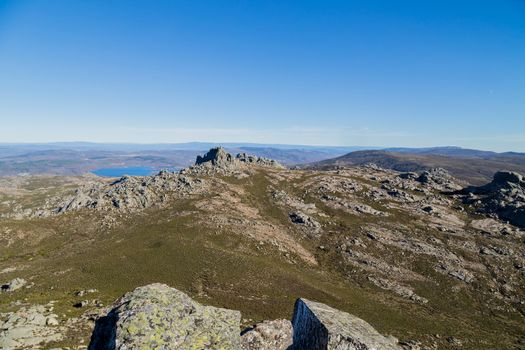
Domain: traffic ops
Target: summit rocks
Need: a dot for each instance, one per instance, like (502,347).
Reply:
(218,160)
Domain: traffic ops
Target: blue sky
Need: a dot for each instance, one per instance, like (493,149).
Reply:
(371,73)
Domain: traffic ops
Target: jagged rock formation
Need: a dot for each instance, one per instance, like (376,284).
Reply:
(159,317)
(504,197)
(218,160)
(139,192)
(217,157)
(318,326)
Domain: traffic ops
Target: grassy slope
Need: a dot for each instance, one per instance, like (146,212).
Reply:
(225,269)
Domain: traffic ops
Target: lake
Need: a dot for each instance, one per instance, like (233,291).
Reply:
(119,172)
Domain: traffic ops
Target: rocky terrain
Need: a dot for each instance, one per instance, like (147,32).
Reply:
(471,166)
(159,317)
(503,198)
(419,256)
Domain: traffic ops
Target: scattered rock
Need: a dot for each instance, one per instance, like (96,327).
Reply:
(13,285)
(81,304)
(397,288)
(29,328)
(81,293)
(303,219)
(268,335)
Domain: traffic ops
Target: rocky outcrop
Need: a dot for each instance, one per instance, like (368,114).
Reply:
(159,317)
(131,192)
(29,328)
(504,197)
(218,160)
(318,326)
(268,335)
(216,157)
(438,178)
(301,218)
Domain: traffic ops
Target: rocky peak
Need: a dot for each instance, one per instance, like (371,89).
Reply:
(216,156)
(219,160)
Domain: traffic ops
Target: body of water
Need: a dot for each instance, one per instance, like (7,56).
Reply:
(131,171)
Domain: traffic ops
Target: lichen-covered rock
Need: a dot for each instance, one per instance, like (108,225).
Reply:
(319,327)
(160,317)
(268,335)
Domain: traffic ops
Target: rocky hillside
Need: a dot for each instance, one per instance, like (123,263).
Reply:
(474,167)
(414,255)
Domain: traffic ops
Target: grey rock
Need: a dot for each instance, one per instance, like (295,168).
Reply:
(29,328)
(318,327)
(438,178)
(216,156)
(268,335)
(504,197)
(13,285)
(303,219)
(218,160)
(159,317)
(131,193)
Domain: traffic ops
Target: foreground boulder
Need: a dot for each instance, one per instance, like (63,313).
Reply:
(159,317)
(503,197)
(318,326)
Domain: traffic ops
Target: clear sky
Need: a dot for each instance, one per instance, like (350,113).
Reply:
(370,73)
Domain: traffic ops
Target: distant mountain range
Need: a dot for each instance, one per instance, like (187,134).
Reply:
(75,158)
